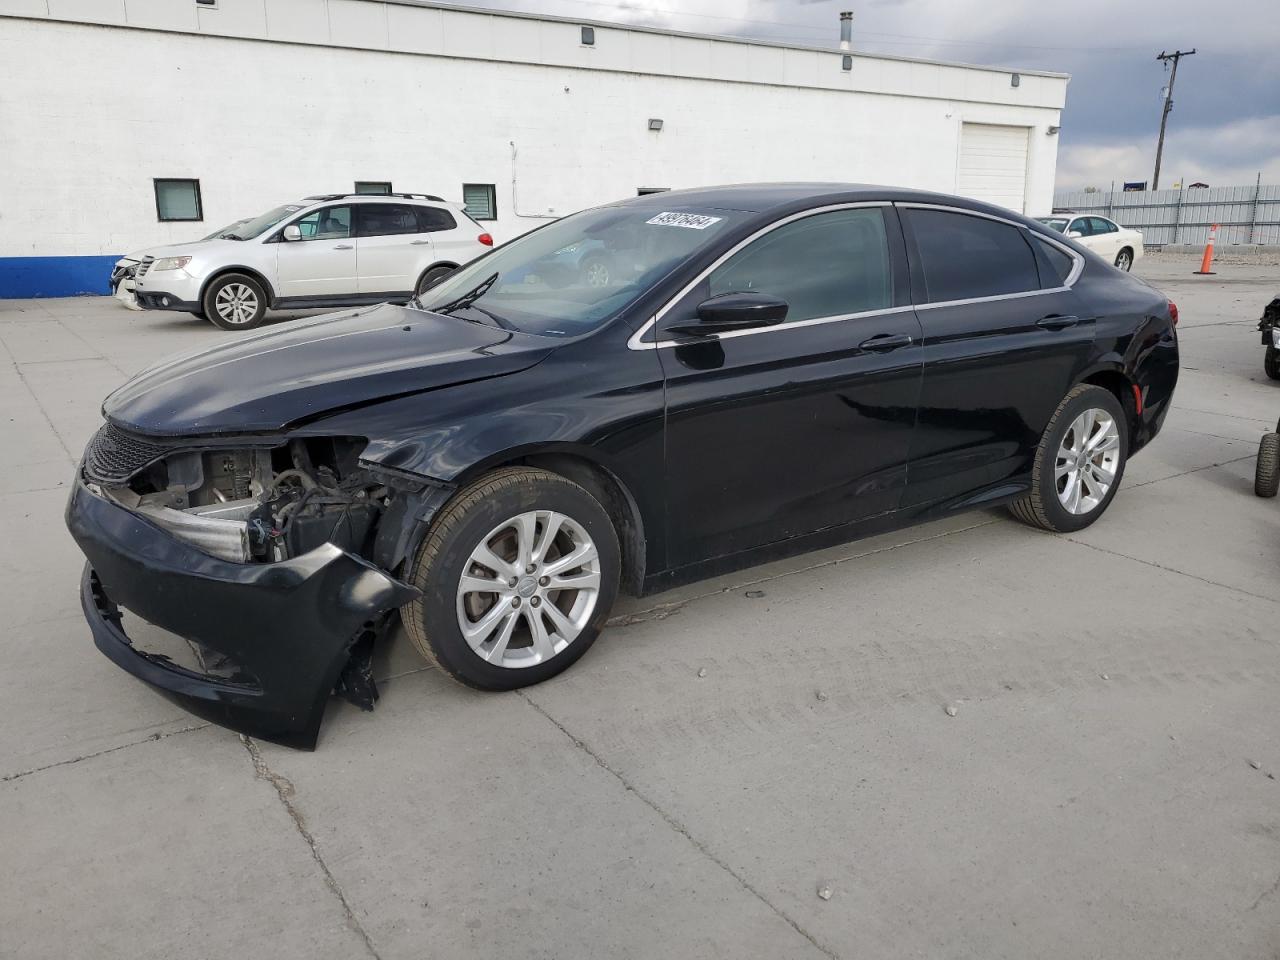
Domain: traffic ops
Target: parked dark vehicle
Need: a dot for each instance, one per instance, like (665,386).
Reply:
(777,368)
(1269,324)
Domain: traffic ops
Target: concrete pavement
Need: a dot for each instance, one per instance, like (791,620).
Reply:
(1104,788)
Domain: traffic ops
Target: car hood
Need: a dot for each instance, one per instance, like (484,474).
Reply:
(179,249)
(305,369)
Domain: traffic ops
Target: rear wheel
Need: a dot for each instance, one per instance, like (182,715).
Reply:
(1078,464)
(1266,475)
(235,301)
(518,575)
(430,278)
(1271,363)
(1124,259)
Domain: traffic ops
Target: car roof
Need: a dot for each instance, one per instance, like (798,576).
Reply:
(773,197)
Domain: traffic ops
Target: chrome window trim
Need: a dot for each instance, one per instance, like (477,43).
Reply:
(635,341)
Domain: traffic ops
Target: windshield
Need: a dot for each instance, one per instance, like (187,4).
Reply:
(222,231)
(570,276)
(1055,223)
(249,229)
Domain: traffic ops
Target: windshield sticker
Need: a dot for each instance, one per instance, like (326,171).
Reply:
(692,221)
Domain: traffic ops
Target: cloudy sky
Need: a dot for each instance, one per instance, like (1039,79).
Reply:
(1225,126)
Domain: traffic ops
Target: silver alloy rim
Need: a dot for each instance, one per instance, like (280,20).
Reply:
(1087,460)
(1123,261)
(528,589)
(236,303)
(597,274)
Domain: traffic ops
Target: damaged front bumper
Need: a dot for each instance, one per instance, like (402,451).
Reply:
(287,628)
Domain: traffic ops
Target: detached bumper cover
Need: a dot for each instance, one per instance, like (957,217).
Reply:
(287,627)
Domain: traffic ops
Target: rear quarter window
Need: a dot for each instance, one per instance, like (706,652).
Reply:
(434,220)
(965,257)
(1058,263)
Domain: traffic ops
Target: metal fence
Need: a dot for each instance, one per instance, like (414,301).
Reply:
(1244,214)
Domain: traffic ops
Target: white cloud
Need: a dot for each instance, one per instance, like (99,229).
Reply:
(1230,154)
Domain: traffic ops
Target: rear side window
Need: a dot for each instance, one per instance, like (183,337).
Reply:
(1097,225)
(827,265)
(1060,264)
(964,257)
(433,220)
(386,219)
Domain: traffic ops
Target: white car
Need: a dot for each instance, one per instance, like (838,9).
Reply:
(337,250)
(1104,237)
(124,269)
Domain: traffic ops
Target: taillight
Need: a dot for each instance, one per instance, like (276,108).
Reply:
(1173,312)
(487,240)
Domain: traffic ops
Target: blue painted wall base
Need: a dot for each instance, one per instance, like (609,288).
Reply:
(55,276)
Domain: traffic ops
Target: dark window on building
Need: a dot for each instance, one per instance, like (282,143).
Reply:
(964,257)
(381,187)
(385,219)
(588,36)
(645,191)
(480,201)
(828,265)
(433,220)
(178,200)
(327,223)
(1060,264)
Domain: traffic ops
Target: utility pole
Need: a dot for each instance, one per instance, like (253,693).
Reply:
(1168,105)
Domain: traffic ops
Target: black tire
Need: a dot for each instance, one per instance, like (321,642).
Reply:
(1266,475)
(1041,507)
(430,277)
(595,271)
(1124,260)
(432,621)
(1271,363)
(226,320)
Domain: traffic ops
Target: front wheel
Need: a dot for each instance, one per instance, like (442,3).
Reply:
(1266,475)
(1271,363)
(235,301)
(518,575)
(1124,259)
(1079,462)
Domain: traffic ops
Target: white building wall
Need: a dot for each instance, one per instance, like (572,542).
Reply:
(317,94)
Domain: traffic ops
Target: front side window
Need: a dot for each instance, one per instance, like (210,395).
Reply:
(385,219)
(826,265)
(551,282)
(965,257)
(1081,226)
(178,200)
(327,223)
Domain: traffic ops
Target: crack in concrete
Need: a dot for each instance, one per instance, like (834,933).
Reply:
(89,756)
(679,828)
(17,369)
(285,791)
(1186,473)
(1274,888)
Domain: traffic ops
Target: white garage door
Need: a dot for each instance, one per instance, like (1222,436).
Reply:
(993,164)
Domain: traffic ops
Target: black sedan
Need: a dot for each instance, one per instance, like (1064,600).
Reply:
(768,369)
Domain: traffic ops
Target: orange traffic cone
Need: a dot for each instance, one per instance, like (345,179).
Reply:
(1208,253)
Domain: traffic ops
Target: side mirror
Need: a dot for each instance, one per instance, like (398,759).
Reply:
(292,232)
(1074,234)
(733,311)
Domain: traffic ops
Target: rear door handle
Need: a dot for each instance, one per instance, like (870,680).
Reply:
(1057,322)
(418,243)
(886,341)
(344,246)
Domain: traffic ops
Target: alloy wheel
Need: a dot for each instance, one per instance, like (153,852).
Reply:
(236,303)
(597,274)
(1125,260)
(1088,457)
(528,589)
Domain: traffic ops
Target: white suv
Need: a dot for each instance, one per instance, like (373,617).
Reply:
(337,250)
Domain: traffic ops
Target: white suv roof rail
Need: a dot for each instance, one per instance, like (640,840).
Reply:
(375,196)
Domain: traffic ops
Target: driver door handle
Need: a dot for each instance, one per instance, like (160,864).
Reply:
(886,341)
(418,243)
(344,246)
(1056,321)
